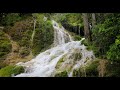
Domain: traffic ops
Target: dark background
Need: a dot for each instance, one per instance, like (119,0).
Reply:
(59,6)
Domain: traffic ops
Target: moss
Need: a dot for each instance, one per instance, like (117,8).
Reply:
(59,62)
(61,74)
(8,71)
(92,69)
(76,73)
(77,38)
(43,38)
(85,42)
(77,56)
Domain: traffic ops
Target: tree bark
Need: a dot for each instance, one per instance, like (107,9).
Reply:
(86,26)
(79,30)
(93,19)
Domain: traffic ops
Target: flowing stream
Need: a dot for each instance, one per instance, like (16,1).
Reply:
(44,64)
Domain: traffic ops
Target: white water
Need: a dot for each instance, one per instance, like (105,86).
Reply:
(60,35)
(44,64)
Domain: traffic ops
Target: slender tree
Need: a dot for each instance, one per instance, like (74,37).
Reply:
(93,19)
(86,26)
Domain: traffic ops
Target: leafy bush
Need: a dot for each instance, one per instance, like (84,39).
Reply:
(8,71)
(11,18)
(114,51)
(104,35)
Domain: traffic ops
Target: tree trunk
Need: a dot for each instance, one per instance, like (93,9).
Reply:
(79,30)
(93,20)
(86,26)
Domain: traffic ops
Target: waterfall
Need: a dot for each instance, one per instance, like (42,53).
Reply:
(44,65)
(60,35)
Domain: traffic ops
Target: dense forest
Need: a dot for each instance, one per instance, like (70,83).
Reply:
(28,36)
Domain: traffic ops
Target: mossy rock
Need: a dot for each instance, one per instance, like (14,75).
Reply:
(77,56)
(112,69)
(76,73)
(92,69)
(59,62)
(61,74)
(8,71)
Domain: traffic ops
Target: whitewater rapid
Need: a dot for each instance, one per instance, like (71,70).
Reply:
(44,64)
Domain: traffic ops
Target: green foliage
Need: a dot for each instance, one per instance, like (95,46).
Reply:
(24,52)
(71,21)
(85,42)
(43,38)
(104,36)
(92,69)
(21,29)
(113,69)
(89,46)
(5,45)
(9,70)
(114,51)
(77,38)
(59,62)
(11,18)
(77,73)
(61,74)
(89,71)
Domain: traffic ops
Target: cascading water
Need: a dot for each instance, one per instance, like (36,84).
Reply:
(44,65)
(60,35)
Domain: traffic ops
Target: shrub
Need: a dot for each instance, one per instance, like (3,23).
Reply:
(11,18)
(114,52)
(8,71)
